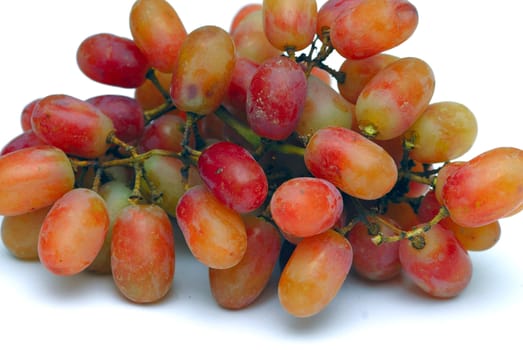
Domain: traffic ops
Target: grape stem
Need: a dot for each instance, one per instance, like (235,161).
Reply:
(410,234)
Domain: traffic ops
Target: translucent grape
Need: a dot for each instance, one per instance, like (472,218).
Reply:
(73,232)
(323,107)
(125,113)
(165,133)
(242,13)
(358,72)
(356,165)
(314,273)
(33,178)
(116,196)
(158,32)
(250,39)
(24,140)
(443,132)
(164,176)
(272,111)
(372,26)
(233,176)
(290,24)
(371,261)
(75,126)
(199,84)
(215,234)
(20,233)
(240,285)
(142,253)
(395,98)
(113,60)
(486,188)
(306,206)
(442,268)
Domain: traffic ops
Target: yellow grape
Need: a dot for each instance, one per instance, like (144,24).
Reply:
(314,273)
(199,84)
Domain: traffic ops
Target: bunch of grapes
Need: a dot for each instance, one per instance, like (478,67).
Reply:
(261,154)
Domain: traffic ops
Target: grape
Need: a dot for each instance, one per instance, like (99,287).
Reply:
(356,165)
(27,112)
(163,176)
(165,133)
(233,176)
(158,32)
(73,125)
(442,268)
(369,27)
(214,233)
(486,188)
(73,232)
(371,261)
(116,196)
(444,172)
(272,111)
(199,84)
(358,72)
(250,39)
(395,98)
(24,140)
(329,11)
(306,206)
(20,233)
(242,13)
(113,60)
(125,113)
(323,107)
(314,273)
(443,132)
(33,178)
(240,285)
(142,253)
(289,24)
(236,97)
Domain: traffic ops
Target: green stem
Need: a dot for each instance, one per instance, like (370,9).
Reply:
(244,131)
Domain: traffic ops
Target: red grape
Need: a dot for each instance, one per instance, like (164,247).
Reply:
(73,232)
(113,60)
(142,253)
(276,97)
(233,176)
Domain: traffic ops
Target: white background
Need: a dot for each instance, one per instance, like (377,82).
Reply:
(475,51)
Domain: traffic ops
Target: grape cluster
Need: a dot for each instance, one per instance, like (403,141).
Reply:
(260,153)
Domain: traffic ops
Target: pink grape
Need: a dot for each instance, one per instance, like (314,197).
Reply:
(33,178)
(125,113)
(290,24)
(240,285)
(314,274)
(199,84)
(24,140)
(158,31)
(371,261)
(276,98)
(73,125)
(442,268)
(486,188)
(395,98)
(214,233)
(113,60)
(306,206)
(370,27)
(353,163)
(142,253)
(233,176)
(73,232)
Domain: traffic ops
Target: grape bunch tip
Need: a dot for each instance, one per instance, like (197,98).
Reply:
(262,155)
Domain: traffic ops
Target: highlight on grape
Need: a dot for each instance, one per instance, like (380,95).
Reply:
(268,159)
